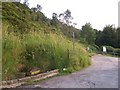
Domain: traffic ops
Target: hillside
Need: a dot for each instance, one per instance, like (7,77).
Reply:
(30,40)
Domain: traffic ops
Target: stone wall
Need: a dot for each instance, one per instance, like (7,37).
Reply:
(20,81)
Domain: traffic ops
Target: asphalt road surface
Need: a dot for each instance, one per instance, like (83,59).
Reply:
(103,73)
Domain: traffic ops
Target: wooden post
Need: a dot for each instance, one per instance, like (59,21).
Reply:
(73,40)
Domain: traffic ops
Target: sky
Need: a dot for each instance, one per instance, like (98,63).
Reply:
(98,12)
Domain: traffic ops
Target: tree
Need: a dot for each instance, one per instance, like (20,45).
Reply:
(39,7)
(98,36)
(54,15)
(66,17)
(26,2)
(88,34)
(107,37)
(34,9)
(118,37)
(55,21)
(17,0)
(74,24)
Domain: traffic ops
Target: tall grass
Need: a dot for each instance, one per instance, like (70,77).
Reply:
(11,57)
(35,43)
(37,49)
(0,55)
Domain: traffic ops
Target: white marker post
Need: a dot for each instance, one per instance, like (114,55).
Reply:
(104,49)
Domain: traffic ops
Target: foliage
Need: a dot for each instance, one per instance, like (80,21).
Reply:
(88,34)
(11,57)
(109,37)
(118,37)
(94,48)
(29,43)
(41,50)
(112,50)
(109,49)
(39,7)
(26,2)
(64,23)
(31,40)
(117,52)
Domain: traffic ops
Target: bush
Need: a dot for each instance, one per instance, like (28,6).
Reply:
(112,51)
(109,49)
(117,51)
(94,48)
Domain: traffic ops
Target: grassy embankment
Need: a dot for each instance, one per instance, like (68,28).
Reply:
(36,48)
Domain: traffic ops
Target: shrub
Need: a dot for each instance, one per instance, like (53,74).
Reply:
(117,51)
(109,49)
(94,48)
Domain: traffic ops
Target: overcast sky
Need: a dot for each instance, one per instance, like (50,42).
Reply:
(98,12)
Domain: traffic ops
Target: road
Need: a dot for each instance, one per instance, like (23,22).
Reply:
(103,73)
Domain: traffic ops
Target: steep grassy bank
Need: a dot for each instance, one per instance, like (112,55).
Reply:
(46,51)
(40,47)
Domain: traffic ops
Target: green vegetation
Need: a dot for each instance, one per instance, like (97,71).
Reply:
(108,37)
(95,39)
(46,51)
(29,40)
(111,51)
